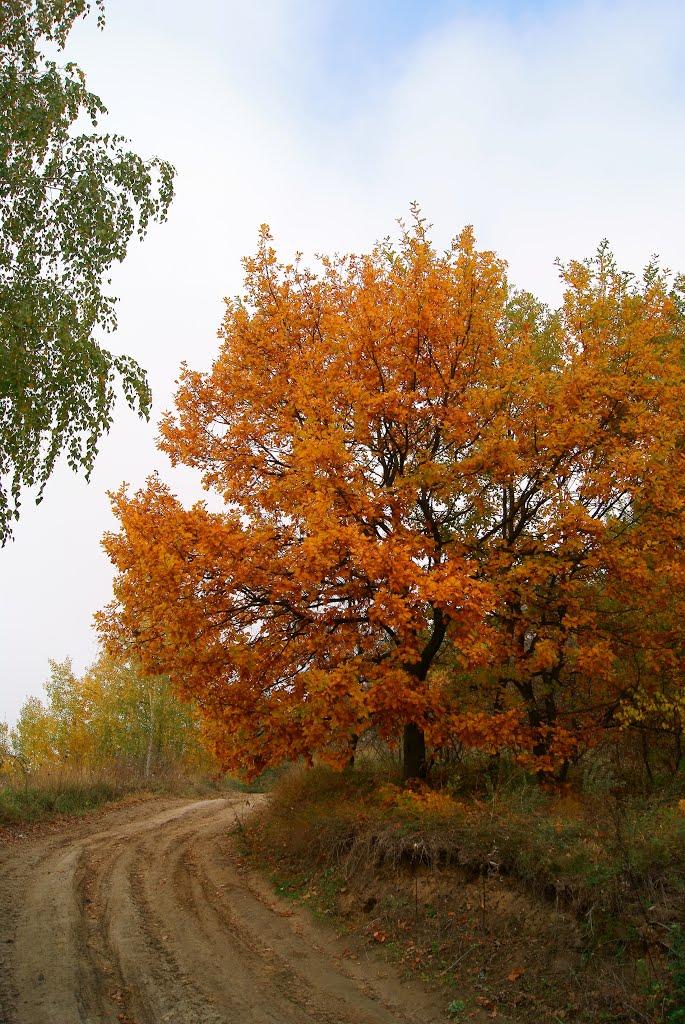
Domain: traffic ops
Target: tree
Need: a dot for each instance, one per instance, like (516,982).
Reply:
(449,511)
(12,765)
(113,717)
(69,205)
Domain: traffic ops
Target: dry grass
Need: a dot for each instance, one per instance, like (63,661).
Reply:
(48,793)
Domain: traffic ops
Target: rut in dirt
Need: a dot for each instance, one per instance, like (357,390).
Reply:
(152,920)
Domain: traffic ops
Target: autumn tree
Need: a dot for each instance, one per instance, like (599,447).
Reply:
(11,765)
(70,202)
(448,512)
(113,717)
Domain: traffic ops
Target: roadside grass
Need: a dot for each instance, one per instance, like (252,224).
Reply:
(537,906)
(46,794)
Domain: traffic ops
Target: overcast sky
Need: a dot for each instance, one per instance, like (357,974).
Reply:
(547,125)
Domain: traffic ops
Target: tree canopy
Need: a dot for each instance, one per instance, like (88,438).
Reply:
(450,512)
(70,201)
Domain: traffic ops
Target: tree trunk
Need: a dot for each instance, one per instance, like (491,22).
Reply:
(150,736)
(414,753)
(148,757)
(354,740)
(414,747)
(541,717)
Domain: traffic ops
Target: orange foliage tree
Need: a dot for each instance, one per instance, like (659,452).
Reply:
(448,512)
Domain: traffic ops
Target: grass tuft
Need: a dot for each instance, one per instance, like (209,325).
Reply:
(32,803)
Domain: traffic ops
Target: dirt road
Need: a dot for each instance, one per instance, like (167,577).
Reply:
(145,915)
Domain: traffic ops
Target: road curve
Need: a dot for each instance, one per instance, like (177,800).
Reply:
(146,916)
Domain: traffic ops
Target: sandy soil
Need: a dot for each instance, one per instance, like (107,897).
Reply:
(146,915)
